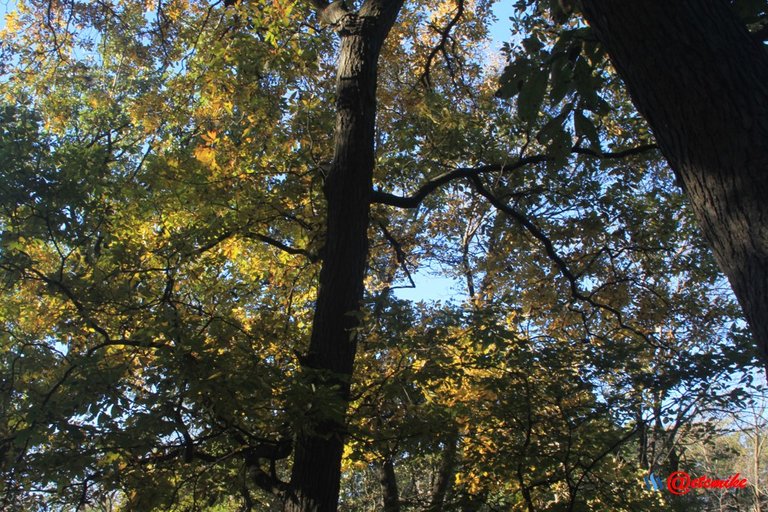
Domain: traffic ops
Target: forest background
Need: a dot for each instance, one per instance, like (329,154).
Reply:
(209,213)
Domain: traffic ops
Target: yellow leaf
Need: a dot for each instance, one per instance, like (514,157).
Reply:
(210,136)
(205,155)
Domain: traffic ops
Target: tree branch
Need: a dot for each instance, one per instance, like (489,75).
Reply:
(330,13)
(270,451)
(384,12)
(614,155)
(444,34)
(413,201)
(559,262)
(283,247)
(463,172)
(399,253)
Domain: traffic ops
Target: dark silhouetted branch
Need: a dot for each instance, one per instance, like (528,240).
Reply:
(283,247)
(413,201)
(399,253)
(440,48)
(559,262)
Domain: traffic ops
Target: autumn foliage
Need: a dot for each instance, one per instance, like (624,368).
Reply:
(163,209)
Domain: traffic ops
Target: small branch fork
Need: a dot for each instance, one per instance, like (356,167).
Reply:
(440,48)
(399,253)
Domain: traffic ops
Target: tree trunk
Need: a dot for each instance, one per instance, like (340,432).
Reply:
(642,440)
(388,482)
(327,367)
(701,80)
(445,473)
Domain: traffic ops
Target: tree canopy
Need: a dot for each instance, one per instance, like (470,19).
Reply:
(207,210)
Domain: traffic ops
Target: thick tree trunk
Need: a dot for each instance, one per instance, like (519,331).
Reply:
(701,81)
(316,471)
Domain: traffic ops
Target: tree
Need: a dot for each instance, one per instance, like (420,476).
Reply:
(698,76)
(195,245)
(348,187)
(701,53)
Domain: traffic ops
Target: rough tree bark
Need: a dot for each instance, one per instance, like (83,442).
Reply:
(316,471)
(701,80)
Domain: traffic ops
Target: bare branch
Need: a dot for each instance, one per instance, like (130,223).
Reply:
(257,236)
(614,155)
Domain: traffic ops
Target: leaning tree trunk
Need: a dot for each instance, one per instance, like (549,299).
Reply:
(701,81)
(327,367)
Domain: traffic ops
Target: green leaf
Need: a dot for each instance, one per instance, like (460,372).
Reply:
(585,128)
(554,127)
(532,95)
(532,44)
(513,77)
(561,78)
